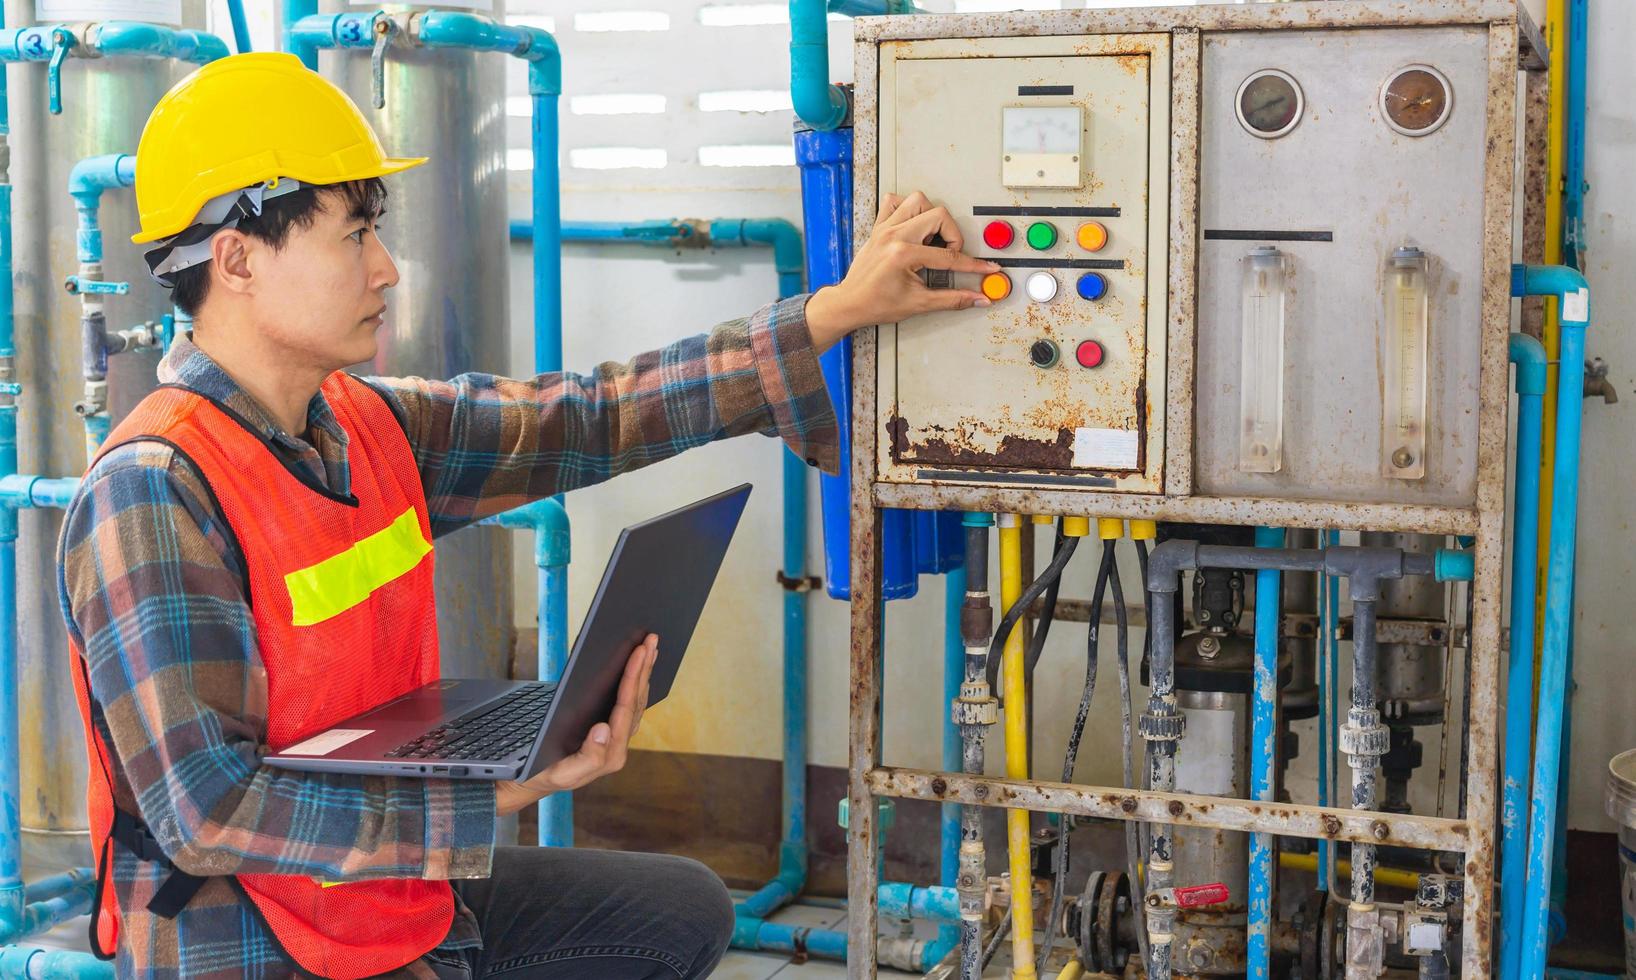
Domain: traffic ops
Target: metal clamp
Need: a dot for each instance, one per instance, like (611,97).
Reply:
(799,583)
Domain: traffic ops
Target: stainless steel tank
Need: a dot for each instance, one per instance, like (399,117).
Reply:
(447,228)
(105,102)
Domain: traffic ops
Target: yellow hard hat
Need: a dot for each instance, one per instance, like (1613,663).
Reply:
(243,120)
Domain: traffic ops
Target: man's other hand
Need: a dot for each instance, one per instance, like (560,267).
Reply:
(884,283)
(606,747)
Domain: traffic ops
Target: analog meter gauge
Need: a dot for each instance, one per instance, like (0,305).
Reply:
(1416,100)
(1041,146)
(1270,104)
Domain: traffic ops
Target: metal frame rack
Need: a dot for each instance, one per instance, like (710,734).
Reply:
(1512,42)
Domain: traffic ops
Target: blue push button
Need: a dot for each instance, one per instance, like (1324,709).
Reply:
(1093,286)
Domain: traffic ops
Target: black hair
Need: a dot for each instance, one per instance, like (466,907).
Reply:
(364,200)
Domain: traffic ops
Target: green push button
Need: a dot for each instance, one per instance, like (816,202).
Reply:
(1042,235)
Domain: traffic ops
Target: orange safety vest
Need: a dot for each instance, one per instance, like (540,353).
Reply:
(341,594)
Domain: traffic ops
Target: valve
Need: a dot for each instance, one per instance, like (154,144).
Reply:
(62,41)
(1189,896)
(385,30)
(77,285)
(1597,383)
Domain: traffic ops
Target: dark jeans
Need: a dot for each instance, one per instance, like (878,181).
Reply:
(568,914)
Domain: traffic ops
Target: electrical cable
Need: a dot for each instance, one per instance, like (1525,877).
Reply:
(1072,755)
(1052,573)
(994,940)
(1048,614)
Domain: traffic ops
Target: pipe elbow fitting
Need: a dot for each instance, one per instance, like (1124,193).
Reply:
(1168,561)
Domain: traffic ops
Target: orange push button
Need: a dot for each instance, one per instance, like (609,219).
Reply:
(1092,236)
(996,286)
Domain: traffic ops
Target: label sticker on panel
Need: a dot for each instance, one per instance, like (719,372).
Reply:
(1106,449)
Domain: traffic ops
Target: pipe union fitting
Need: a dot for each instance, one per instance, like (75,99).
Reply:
(1370,742)
(975,711)
(1163,726)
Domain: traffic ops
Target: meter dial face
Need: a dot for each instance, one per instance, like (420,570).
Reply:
(1270,104)
(1416,100)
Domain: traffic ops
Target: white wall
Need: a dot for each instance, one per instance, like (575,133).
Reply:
(1604,704)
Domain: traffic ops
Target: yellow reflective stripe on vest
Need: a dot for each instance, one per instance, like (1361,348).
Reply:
(336,584)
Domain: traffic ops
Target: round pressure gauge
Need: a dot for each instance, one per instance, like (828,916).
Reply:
(1269,104)
(1416,100)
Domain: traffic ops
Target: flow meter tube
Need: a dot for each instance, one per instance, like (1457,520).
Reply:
(1261,363)
(1405,341)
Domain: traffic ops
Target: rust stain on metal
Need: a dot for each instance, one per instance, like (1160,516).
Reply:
(1175,807)
(1332,826)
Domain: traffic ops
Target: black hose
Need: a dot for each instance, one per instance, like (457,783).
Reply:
(1048,615)
(994,940)
(1072,755)
(1014,615)
(1133,844)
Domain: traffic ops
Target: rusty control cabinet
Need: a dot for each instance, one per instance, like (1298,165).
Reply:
(1256,266)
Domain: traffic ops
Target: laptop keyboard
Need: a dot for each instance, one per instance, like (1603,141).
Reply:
(496,730)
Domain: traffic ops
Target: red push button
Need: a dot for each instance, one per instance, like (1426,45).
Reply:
(999,234)
(1089,354)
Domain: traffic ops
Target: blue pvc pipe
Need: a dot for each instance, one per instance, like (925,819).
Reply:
(817,103)
(776,937)
(59,885)
(114,39)
(1329,647)
(11,846)
(1573,305)
(296,11)
(1454,566)
(789,256)
(1263,735)
(1573,198)
(899,900)
(241,27)
(30,963)
(86,182)
(1528,355)
(133,39)
(954,674)
(549,522)
(784,238)
(20,490)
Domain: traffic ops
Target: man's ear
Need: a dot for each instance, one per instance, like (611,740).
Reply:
(230,253)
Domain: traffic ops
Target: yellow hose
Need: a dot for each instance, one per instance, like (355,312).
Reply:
(1016,753)
(1384,876)
(1073,971)
(1556,36)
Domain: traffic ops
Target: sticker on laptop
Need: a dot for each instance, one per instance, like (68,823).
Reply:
(328,742)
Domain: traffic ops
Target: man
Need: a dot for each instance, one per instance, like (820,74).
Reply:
(247,562)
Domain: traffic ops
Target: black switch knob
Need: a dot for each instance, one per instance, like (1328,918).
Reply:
(1044,354)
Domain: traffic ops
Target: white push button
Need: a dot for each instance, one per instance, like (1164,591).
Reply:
(1042,287)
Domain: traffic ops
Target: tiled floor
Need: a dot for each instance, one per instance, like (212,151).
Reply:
(740,965)
(737,965)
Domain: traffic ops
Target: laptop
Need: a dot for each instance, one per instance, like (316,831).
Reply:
(657,580)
